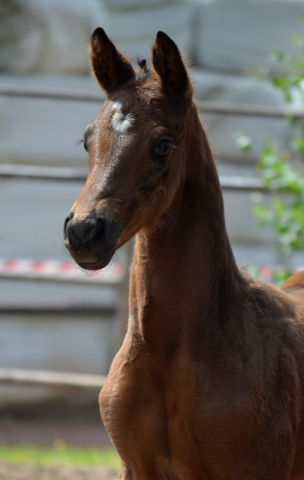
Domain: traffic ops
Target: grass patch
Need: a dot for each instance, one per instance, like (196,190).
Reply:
(59,454)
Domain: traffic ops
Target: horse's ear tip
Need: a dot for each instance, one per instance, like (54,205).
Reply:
(99,32)
(163,38)
(161,35)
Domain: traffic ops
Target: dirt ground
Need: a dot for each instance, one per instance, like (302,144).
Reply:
(29,472)
(77,425)
(43,432)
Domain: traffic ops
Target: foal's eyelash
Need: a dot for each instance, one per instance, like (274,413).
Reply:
(84,144)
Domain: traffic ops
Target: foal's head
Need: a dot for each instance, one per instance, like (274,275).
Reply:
(135,148)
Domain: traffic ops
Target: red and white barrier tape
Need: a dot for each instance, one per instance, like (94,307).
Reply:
(114,273)
(61,271)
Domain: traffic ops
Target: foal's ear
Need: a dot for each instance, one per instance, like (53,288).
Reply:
(109,66)
(168,63)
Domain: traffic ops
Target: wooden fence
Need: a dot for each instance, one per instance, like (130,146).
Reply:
(67,381)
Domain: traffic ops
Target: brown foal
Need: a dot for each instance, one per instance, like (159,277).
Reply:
(208,384)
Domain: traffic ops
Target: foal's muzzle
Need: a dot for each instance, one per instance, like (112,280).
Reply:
(91,241)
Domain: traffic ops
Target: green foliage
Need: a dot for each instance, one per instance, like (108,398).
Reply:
(281,275)
(290,68)
(59,454)
(282,171)
(243,142)
(275,275)
(286,211)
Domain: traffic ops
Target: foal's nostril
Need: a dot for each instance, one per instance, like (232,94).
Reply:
(100,227)
(86,230)
(66,221)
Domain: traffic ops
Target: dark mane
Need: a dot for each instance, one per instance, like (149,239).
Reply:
(143,77)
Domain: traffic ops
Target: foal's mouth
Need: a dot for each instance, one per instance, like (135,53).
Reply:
(98,264)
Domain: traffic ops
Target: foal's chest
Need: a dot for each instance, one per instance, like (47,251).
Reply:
(133,406)
(144,416)
(159,423)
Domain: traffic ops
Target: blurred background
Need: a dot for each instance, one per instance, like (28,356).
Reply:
(68,327)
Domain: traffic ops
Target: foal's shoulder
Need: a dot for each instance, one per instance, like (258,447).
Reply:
(277,307)
(269,300)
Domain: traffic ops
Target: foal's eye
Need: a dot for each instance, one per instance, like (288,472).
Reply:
(162,150)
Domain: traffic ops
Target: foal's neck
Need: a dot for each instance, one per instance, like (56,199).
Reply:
(184,273)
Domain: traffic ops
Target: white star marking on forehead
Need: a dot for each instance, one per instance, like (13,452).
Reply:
(121,122)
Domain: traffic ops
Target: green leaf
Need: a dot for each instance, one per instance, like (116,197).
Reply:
(297,40)
(278,56)
(281,82)
(243,142)
(298,144)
